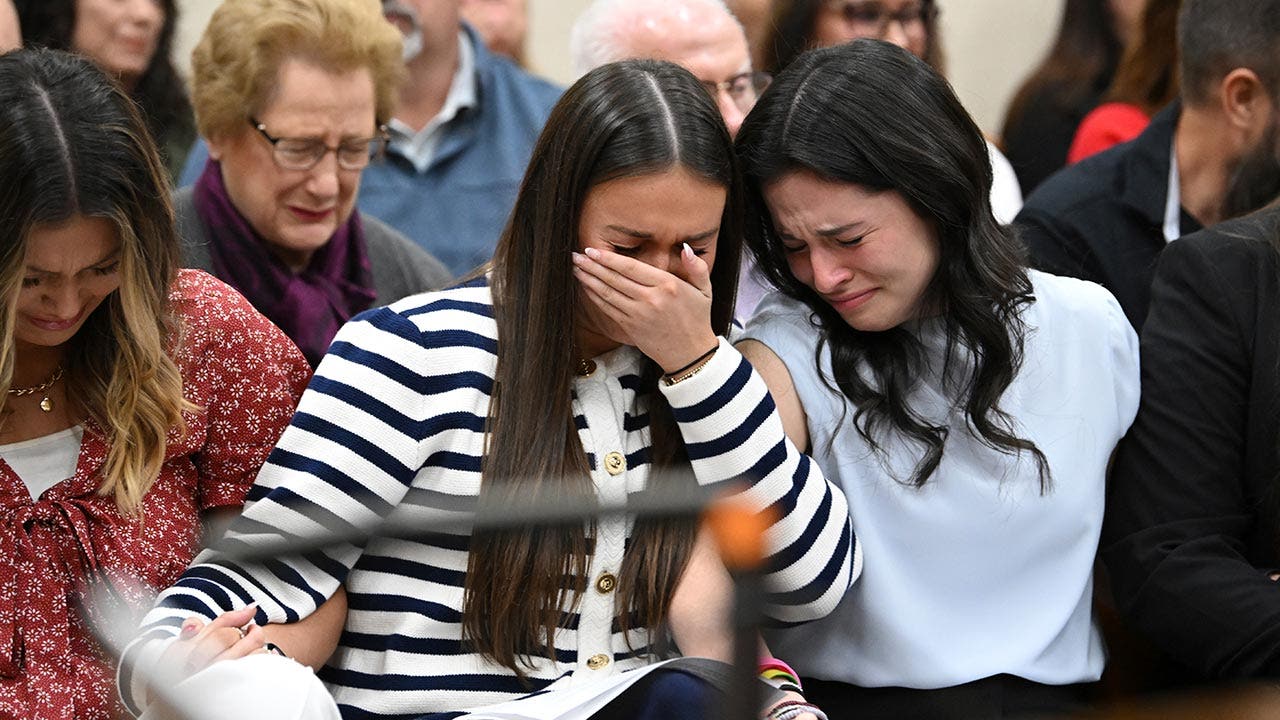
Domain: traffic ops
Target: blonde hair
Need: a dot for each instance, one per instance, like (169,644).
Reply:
(73,146)
(124,375)
(235,63)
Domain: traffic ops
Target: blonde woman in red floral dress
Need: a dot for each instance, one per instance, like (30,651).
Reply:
(137,402)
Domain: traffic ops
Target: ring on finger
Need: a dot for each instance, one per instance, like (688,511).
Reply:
(241,631)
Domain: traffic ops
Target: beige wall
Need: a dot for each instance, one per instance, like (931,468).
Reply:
(991,44)
(991,47)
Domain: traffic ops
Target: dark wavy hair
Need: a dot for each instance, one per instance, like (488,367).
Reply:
(159,91)
(829,114)
(625,119)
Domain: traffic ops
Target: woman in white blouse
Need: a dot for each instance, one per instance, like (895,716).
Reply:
(966,405)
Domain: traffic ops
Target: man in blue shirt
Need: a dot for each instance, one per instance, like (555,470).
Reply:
(460,139)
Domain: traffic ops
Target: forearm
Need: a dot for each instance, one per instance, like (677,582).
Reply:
(732,432)
(313,639)
(701,607)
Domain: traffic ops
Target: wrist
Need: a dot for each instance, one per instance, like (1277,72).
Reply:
(683,358)
(688,370)
(791,709)
(775,672)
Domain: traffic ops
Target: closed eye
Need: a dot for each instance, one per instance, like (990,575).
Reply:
(108,269)
(624,249)
(850,241)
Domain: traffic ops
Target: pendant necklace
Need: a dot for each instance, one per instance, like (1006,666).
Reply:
(46,404)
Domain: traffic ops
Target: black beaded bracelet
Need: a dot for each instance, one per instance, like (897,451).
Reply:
(700,358)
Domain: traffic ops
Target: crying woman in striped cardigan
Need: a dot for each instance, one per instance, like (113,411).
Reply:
(589,362)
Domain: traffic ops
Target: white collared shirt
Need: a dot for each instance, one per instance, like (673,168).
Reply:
(419,147)
(1173,200)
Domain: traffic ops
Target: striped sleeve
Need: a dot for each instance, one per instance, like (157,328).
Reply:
(346,460)
(733,433)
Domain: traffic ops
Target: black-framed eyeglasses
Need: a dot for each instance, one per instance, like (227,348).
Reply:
(304,153)
(743,89)
(872,18)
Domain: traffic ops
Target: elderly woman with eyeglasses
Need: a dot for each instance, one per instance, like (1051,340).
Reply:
(290,95)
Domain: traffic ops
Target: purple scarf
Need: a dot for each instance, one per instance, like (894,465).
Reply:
(309,306)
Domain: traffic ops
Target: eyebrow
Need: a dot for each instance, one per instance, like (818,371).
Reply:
(108,258)
(825,232)
(832,232)
(642,235)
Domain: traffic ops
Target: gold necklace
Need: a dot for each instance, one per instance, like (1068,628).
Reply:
(45,403)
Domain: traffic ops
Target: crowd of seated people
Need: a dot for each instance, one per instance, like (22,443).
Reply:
(131,40)
(347,407)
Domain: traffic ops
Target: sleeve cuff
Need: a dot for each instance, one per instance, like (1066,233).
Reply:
(138,664)
(706,381)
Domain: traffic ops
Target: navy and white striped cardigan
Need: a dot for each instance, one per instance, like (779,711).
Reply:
(392,427)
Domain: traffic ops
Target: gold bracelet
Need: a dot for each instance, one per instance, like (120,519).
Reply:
(694,369)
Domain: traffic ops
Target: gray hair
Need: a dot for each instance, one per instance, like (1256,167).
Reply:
(599,35)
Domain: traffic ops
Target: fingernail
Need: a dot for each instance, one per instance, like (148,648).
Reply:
(189,630)
(592,253)
(688,251)
(577,257)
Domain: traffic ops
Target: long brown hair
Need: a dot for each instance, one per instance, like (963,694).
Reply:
(624,119)
(1148,72)
(1079,65)
(72,144)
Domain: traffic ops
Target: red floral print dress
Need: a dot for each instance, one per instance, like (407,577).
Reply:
(71,565)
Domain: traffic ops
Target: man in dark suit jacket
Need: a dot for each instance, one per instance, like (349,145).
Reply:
(1192,530)
(1214,156)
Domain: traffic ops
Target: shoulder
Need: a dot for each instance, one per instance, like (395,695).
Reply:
(197,295)
(1076,328)
(1089,181)
(391,252)
(1006,192)
(1063,300)
(1236,248)
(423,336)
(217,320)
(1235,263)
(509,84)
(461,315)
(785,325)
